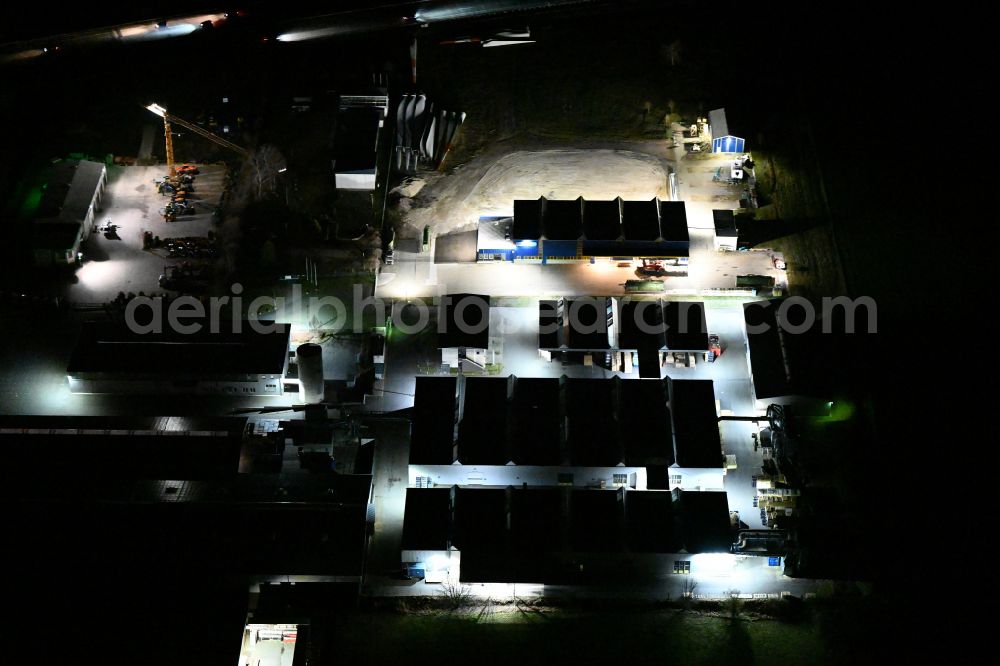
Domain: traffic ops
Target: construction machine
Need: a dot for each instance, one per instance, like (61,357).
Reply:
(169,119)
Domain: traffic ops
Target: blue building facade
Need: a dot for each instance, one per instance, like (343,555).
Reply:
(728,144)
(613,230)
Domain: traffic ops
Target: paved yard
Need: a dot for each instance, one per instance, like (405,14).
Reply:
(132,203)
(414,275)
(458,247)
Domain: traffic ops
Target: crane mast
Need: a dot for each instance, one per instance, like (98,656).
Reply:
(169,139)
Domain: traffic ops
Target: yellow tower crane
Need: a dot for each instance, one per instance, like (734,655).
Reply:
(168,119)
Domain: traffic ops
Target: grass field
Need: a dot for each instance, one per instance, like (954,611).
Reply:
(813,269)
(788,188)
(562,636)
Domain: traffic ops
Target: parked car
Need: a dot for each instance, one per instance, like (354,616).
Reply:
(188,168)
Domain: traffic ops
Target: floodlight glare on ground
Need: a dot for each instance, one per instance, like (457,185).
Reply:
(713,564)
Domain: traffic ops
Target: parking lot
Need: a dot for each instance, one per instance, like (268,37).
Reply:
(116,262)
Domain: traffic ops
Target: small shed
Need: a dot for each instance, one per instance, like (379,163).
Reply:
(722,140)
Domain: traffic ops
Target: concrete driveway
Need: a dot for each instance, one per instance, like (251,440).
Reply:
(458,247)
(415,275)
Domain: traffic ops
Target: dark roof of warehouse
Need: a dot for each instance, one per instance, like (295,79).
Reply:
(355,139)
(784,363)
(518,553)
(641,325)
(250,538)
(562,219)
(58,425)
(611,228)
(597,521)
(482,432)
(480,519)
(427,519)
(309,523)
(608,421)
(114,349)
(483,394)
(58,181)
(535,417)
(527,219)
(283,489)
(587,323)
(536,518)
(69,190)
(673,221)
(725,222)
(687,329)
(704,519)
(696,424)
(580,324)
(602,220)
(649,363)
(547,526)
(768,365)
(650,524)
(464,321)
(433,433)
(640,220)
(591,423)
(645,422)
(672,325)
(549,325)
(127,447)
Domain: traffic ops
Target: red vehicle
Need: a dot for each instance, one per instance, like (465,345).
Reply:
(650,269)
(714,348)
(188,169)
